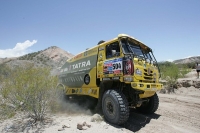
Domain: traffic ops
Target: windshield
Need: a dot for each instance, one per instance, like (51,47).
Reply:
(129,47)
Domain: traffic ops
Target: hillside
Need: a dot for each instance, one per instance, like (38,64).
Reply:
(53,56)
(193,59)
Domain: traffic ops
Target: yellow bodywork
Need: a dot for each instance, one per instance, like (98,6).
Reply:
(149,84)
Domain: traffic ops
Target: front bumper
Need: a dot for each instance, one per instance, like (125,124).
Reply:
(148,88)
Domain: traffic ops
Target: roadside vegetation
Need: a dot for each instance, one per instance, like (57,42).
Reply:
(170,72)
(29,89)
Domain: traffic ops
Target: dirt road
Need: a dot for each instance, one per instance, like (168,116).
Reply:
(177,113)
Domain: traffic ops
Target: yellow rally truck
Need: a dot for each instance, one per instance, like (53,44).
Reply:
(120,74)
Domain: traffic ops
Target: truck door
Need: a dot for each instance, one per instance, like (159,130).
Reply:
(110,65)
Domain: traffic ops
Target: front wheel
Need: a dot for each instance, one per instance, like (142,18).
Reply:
(150,106)
(115,107)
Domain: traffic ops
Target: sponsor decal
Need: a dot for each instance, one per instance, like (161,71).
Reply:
(77,66)
(81,64)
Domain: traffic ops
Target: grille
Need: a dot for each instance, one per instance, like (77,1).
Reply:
(148,74)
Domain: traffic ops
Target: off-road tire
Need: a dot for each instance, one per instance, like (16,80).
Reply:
(149,107)
(115,107)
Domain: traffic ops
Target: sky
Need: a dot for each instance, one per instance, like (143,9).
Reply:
(170,27)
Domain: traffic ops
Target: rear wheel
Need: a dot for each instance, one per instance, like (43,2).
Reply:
(115,107)
(150,106)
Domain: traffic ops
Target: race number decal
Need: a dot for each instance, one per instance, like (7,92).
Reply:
(117,67)
(113,66)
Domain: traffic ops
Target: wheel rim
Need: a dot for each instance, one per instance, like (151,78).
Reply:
(110,108)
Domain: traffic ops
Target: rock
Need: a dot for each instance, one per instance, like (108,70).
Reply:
(189,83)
(69,118)
(83,126)
(21,103)
(9,128)
(179,85)
(163,91)
(80,126)
(61,129)
(185,83)
(167,90)
(196,83)
(66,126)
(96,117)
(88,125)
(84,123)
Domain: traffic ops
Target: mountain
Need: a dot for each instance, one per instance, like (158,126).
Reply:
(53,56)
(192,59)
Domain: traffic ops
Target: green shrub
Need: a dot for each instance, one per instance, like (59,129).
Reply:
(29,89)
(171,72)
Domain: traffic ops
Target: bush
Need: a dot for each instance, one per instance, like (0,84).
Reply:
(29,89)
(171,72)
(4,70)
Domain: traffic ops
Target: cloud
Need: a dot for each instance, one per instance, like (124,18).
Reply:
(170,60)
(187,57)
(19,50)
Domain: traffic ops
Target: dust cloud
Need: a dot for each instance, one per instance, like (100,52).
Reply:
(73,105)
